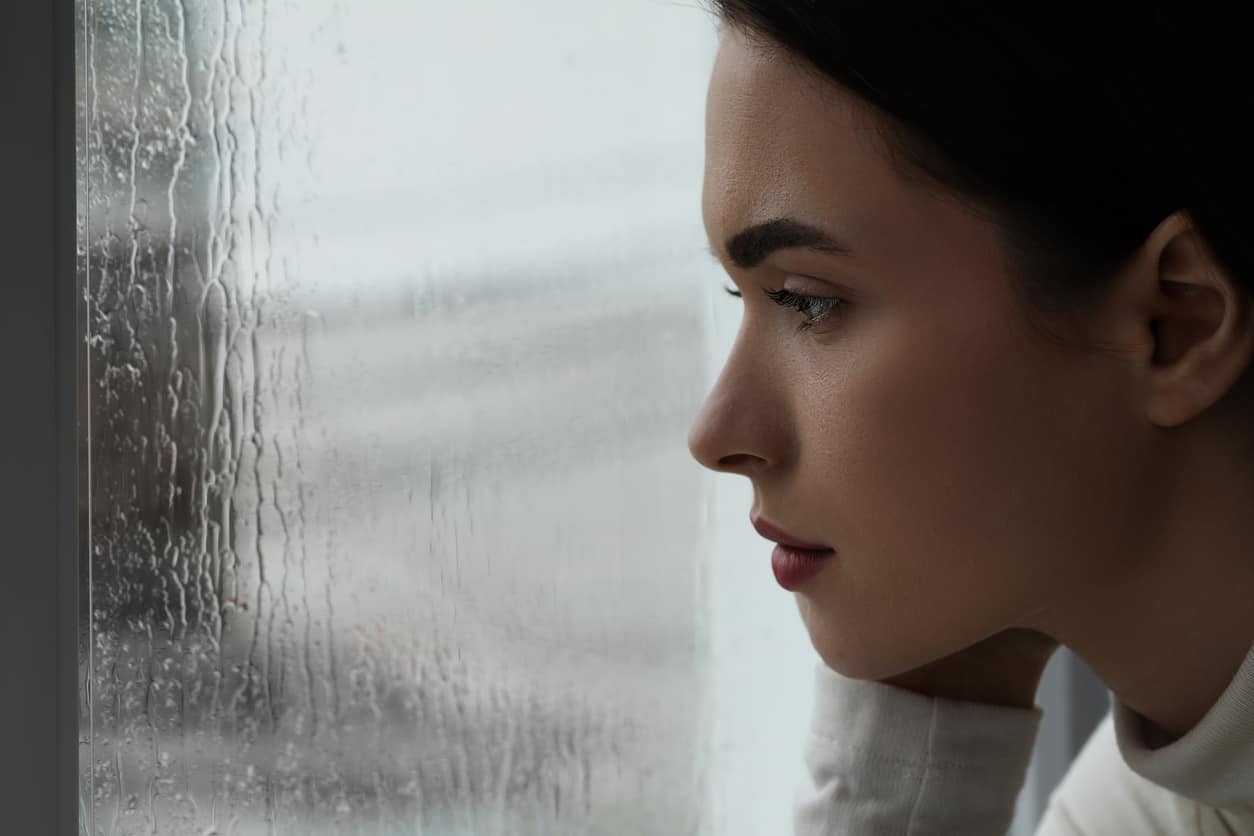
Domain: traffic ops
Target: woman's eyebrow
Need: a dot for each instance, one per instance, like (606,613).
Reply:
(751,246)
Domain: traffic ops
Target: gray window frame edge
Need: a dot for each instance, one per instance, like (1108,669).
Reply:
(1074,702)
(39,353)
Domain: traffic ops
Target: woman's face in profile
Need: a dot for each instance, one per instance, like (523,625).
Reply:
(962,468)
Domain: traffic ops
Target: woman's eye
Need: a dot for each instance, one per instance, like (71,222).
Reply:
(819,308)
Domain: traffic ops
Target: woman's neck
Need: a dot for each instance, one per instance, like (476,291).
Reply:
(1168,633)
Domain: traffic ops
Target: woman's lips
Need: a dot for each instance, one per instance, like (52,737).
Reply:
(793,567)
(782,537)
(794,561)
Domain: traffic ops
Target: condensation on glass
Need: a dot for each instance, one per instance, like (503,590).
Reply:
(393,340)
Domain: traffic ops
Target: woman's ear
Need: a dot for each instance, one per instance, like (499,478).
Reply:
(1201,321)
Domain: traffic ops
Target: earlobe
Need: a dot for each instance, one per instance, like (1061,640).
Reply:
(1203,328)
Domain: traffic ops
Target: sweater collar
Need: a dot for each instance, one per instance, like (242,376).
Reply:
(1214,762)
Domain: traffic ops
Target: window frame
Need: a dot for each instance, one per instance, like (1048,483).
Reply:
(1074,702)
(39,496)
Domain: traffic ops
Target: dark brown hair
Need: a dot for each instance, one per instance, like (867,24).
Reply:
(1077,128)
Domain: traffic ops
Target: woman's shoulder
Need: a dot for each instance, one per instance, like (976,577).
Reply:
(1100,794)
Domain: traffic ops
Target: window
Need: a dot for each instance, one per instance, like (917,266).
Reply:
(398,315)
(387,326)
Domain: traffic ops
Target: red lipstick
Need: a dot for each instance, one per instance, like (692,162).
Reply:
(793,561)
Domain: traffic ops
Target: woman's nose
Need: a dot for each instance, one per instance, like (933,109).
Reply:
(736,430)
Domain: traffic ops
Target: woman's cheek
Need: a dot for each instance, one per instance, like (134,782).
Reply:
(909,491)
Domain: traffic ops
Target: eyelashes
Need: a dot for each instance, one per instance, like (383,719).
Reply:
(819,308)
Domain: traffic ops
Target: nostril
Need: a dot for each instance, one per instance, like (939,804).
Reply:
(739,462)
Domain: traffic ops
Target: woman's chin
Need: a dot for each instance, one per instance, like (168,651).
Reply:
(853,663)
(872,661)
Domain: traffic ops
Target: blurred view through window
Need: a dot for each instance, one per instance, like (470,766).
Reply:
(397,314)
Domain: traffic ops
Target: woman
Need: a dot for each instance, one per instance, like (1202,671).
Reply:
(994,379)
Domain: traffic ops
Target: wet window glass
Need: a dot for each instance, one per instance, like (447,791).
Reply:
(397,317)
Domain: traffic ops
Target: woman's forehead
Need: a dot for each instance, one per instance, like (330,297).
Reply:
(778,144)
(766,158)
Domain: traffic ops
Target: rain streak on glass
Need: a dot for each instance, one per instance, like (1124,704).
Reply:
(391,351)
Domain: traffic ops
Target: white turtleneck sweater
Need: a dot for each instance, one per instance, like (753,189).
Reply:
(882,760)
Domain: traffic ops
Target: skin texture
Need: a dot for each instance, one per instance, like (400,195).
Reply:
(973,477)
